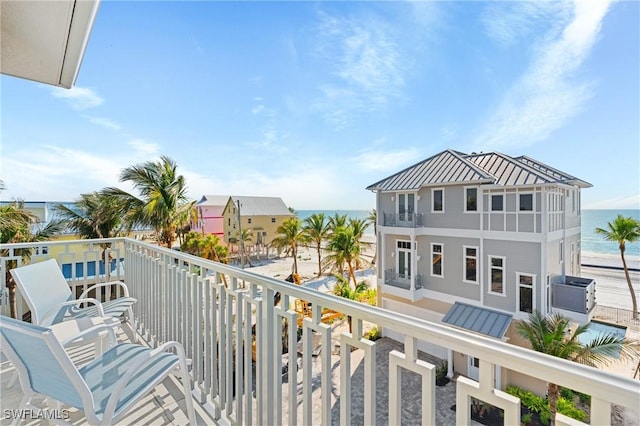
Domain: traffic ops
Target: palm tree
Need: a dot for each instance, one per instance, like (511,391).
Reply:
(623,230)
(317,229)
(343,289)
(97,215)
(554,336)
(205,246)
(337,221)
(345,248)
(18,225)
(372,219)
(290,235)
(245,237)
(163,200)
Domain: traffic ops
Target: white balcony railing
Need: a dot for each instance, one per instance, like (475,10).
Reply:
(184,298)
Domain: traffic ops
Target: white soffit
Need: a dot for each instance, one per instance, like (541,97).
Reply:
(45,40)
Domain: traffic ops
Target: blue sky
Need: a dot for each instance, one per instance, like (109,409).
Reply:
(313,101)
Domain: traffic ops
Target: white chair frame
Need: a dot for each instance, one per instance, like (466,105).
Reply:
(19,338)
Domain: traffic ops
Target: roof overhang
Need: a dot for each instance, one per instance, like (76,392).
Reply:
(45,41)
(478,319)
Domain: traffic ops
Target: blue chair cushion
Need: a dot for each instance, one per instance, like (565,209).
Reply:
(103,373)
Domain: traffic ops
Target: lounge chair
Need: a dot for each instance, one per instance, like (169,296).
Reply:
(105,389)
(49,297)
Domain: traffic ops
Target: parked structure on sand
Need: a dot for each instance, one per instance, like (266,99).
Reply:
(210,219)
(478,240)
(261,215)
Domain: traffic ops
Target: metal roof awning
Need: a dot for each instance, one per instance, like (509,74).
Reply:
(477,319)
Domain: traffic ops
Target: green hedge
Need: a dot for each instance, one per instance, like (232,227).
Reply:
(540,405)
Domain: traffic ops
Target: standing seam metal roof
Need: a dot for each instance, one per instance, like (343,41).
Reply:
(478,319)
(445,167)
(262,206)
(493,167)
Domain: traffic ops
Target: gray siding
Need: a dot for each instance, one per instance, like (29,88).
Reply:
(454,206)
(453,266)
(520,257)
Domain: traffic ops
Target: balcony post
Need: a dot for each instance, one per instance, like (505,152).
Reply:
(414,265)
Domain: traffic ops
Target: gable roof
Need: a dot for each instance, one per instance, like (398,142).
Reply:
(446,167)
(451,166)
(213,200)
(260,206)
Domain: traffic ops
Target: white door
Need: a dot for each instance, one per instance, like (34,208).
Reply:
(473,368)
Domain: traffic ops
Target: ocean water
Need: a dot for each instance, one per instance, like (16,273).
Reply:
(595,243)
(591,219)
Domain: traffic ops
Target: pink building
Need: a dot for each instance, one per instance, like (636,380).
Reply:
(210,220)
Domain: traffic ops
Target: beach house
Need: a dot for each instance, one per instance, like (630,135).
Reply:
(476,240)
(186,299)
(210,220)
(260,215)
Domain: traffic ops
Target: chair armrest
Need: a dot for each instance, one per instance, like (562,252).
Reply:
(134,369)
(94,329)
(47,319)
(125,289)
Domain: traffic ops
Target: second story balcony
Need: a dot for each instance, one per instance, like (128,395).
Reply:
(220,314)
(574,297)
(404,220)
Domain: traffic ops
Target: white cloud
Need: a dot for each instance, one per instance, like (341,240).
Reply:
(144,148)
(509,22)
(104,122)
(300,186)
(79,98)
(548,94)
(386,161)
(364,58)
(621,202)
(257,109)
(65,171)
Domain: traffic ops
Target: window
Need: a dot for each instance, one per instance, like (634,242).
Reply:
(470,264)
(525,293)
(229,221)
(437,200)
(471,199)
(496,203)
(496,269)
(436,260)
(526,202)
(273,220)
(249,220)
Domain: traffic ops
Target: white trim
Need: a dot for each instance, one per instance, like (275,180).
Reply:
(441,260)
(504,275)
(464,201)
(433,190)
(464,264)
(449,298)
(533,291)
(561,251)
